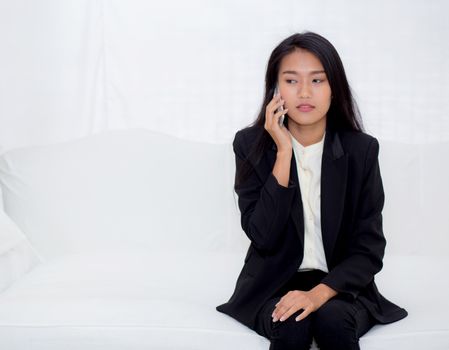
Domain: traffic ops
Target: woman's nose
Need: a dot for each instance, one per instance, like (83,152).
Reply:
(304,91)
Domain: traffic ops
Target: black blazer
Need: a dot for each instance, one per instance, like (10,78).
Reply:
(352,199)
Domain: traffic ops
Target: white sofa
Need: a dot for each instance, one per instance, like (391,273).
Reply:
(129,239)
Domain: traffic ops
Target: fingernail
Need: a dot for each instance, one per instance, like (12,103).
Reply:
(281,319)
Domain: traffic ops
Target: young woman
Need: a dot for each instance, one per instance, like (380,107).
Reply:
(311,196)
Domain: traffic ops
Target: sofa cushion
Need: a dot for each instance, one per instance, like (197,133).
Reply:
(117,300)
(119,189)
(167,300)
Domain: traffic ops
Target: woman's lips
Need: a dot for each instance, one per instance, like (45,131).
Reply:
(305,108)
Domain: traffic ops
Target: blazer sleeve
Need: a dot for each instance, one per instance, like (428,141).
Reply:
(366,242)
(264,204)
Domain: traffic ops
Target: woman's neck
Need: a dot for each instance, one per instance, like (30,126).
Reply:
(307,135)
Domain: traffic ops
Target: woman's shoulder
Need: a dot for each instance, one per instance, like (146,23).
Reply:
(359,143)
(249,132)
(357,137)
(247,135)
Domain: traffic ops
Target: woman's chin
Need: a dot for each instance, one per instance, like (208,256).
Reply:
(303,121)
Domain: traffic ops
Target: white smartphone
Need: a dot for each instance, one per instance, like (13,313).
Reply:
(281,119)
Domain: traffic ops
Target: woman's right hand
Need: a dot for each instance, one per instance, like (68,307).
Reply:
(280,135)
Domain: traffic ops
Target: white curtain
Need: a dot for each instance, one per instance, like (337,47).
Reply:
(195,69)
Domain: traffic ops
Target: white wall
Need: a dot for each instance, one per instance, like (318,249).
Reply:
(195,69)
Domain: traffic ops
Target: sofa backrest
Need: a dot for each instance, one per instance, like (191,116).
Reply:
(416,186)
(122,188)
(137,188)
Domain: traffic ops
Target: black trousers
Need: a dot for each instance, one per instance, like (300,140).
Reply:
(337,324)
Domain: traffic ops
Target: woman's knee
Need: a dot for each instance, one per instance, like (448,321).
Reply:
(292,334)
(334,325)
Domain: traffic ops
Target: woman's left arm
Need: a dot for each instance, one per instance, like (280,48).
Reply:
(366,243)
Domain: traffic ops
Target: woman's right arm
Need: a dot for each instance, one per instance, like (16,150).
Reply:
(281,169)
(264,206)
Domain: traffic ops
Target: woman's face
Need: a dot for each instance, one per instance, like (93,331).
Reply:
(302,80)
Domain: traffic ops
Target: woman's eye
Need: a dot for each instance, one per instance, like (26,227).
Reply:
(292,81)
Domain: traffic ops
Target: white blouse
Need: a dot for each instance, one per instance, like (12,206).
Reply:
(308,164)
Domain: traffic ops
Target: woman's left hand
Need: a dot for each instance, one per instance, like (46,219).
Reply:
(308,301)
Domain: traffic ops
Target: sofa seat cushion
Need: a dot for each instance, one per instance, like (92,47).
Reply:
(116,300)
(420,285)
(135,300)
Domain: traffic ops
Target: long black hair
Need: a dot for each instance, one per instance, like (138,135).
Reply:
(343,113)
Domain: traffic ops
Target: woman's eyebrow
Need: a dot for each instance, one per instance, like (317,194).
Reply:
(310,73)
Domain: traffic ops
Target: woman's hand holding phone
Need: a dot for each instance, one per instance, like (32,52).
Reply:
(280,134)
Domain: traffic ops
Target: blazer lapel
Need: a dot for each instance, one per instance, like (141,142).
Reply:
(297,207)
(334,168)
(334,172)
